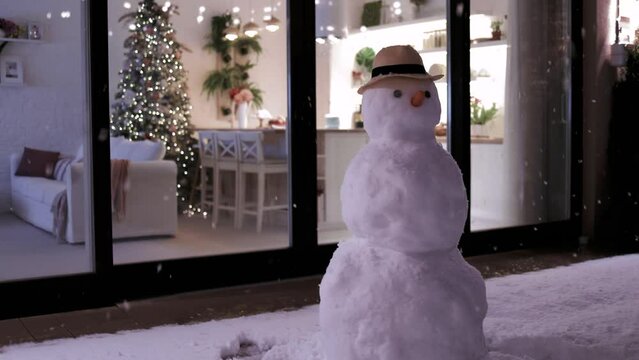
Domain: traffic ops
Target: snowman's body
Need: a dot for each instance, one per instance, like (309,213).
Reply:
(381,304)
(400,290)
(395,194)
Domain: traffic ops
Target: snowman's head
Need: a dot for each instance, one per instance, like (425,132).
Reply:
(400,100)
(399,108)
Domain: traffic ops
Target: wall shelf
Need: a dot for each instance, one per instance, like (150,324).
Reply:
(476,45)
(438,19)
(20,40)
(432,50)
(480,44)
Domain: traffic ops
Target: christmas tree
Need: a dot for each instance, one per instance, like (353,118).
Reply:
(152,101)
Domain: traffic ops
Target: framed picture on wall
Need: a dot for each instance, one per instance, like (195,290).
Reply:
(11,72)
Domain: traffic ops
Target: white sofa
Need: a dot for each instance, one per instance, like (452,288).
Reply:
(151,201)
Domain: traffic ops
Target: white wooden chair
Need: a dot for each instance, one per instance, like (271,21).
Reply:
(227,159)
(253,161)
(207,163)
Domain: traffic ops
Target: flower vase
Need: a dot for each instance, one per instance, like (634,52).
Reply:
(241,115)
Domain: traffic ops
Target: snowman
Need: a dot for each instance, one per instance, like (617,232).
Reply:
(400,289)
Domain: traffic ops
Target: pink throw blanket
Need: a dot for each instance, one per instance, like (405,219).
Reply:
(119,178)
(59,210)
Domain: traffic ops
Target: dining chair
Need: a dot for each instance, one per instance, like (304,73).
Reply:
(254,161)
(227,160)
(207,164)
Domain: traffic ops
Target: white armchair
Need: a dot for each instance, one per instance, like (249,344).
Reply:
(151,201)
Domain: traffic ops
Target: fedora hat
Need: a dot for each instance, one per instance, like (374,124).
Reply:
(399,61)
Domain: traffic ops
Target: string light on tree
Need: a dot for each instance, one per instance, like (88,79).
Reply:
(151,101)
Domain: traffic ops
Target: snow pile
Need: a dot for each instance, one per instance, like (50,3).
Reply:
(586,311)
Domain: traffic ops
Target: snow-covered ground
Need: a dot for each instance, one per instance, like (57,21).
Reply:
(585,311)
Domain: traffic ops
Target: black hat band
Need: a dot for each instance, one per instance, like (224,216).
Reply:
(399,69)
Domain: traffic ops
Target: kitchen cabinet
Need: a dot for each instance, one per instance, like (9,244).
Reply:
(4,41)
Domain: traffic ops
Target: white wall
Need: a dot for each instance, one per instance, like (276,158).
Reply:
(48,111)
(270,74)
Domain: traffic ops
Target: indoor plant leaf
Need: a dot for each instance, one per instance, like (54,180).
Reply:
(216,41)
(244,45)
(365,57)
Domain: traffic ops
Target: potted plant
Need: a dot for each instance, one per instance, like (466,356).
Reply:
(8,29)
(363,65)
(495,25)
(480,116)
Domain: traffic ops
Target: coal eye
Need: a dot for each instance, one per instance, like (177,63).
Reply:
(427,94)
(397,93)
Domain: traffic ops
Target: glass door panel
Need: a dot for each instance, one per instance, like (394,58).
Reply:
(199,108)
(45,202)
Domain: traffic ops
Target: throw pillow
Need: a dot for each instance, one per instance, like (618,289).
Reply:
(38,163)
(62,168)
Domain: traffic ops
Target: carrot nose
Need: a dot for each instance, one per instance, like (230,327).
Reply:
(417,99)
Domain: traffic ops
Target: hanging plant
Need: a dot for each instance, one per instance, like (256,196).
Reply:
(245,45)
(233,74)
(216,41)
(232,77)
